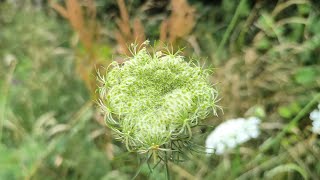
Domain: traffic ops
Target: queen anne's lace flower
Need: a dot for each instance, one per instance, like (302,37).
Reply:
(232,133)
(315,117)
(153,99)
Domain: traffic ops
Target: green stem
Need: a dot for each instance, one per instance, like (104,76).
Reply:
(167,167)
(230,27)
(236,163)
(141,165)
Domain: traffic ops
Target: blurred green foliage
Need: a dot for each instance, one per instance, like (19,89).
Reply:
(269,67)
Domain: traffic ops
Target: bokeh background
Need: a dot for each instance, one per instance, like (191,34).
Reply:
(265,59)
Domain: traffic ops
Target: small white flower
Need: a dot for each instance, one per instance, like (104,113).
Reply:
(158,53)
(9,59)
(232,133)
(146,42)
(315,117)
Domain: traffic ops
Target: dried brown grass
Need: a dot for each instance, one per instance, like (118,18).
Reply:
(180,23)
(82,18)
(83,21)
(127,34)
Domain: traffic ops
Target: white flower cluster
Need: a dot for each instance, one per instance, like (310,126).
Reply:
(315,117)
(232,133)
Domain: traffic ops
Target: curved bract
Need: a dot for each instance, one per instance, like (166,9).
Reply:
(153,99)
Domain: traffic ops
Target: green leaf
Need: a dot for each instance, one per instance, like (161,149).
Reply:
(262,44)
(284,112)
(289,110)
(305,75)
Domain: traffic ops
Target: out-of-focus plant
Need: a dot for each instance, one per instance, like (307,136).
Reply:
(180,23)
(39,134)
(272,59)
(125,34)
(91,52)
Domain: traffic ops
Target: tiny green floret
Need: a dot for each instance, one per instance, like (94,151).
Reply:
(151,100)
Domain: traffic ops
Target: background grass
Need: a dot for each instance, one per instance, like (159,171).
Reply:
(266,60)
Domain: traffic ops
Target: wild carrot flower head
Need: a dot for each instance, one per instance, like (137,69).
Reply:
(231,133)
(153,99)
(315,117)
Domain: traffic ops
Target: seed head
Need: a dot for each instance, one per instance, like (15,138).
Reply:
(153,99)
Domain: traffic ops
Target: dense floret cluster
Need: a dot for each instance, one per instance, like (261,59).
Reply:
(152,99)
(315,117)
(231,133)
